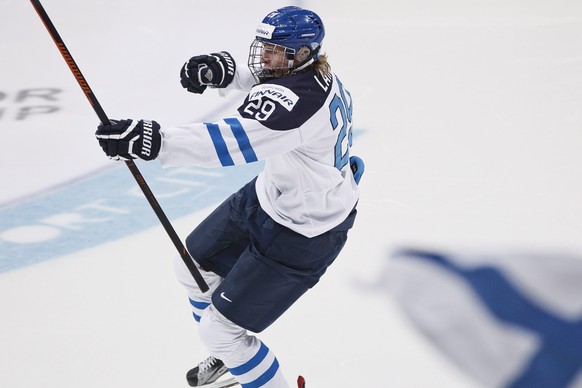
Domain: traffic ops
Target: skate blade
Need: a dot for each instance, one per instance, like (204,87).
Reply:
(230,382)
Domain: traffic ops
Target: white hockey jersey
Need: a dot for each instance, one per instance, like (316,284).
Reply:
(301,126)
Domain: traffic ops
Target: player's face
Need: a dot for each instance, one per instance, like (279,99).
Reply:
(267,60)
(274,57)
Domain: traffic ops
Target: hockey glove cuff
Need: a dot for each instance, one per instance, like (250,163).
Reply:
(130,139)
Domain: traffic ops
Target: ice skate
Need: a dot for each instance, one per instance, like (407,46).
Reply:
(208,375)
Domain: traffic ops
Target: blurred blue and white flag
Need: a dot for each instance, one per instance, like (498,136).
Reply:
(507,319)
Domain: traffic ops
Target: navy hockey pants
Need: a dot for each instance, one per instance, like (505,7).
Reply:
(266,266)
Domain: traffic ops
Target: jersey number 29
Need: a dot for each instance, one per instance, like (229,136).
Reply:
(341,117)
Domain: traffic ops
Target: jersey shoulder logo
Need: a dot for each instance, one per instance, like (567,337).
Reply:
(278,93)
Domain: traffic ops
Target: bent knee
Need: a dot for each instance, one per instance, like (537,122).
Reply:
(220,336)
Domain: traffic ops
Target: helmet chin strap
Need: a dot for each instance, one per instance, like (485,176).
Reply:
(309,62)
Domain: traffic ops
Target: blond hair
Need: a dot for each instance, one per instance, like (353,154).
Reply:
(321,65)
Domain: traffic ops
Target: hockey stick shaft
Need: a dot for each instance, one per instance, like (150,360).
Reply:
(130,164)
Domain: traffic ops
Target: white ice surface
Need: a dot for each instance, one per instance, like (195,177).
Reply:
(471,129)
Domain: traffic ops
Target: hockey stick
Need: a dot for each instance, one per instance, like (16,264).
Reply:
(130,164)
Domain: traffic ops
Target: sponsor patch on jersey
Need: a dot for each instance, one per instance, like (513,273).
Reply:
(265,31)
(277,93)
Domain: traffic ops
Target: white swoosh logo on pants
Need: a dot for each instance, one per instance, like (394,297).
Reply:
(224,297)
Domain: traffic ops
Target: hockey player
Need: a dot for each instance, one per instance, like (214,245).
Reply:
(272,240)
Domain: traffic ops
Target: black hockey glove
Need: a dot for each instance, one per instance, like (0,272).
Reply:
(215,70)
(130,139)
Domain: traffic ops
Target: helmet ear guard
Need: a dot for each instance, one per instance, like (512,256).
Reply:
(303,54)
(304,57)
(313,51)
